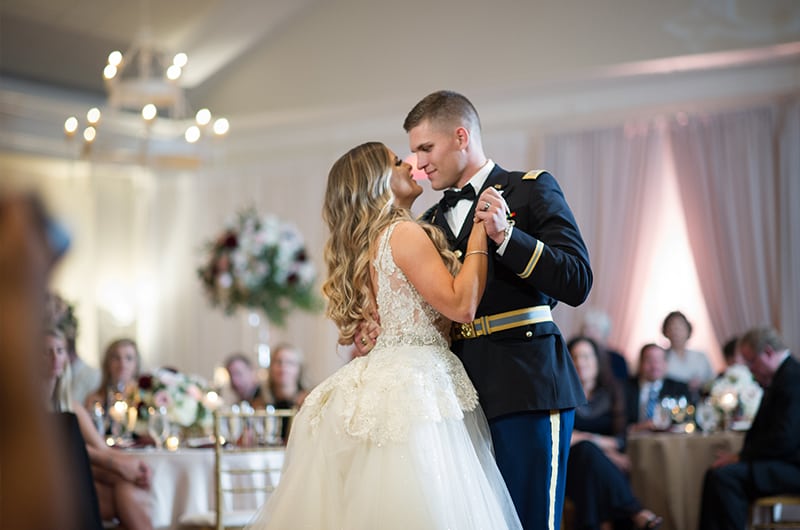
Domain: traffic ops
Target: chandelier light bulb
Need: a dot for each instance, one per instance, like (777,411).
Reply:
(174,72)
(89,134)
(221,126)
(180,60)
(110,71)
(93,116)
(203,117)
(149,112)
(192,134)
(115,58)
(71,125)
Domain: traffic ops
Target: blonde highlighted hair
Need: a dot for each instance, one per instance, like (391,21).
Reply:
(357,208)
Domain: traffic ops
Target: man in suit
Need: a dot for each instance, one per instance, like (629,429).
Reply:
(645,391)
(769,462)
(513,351)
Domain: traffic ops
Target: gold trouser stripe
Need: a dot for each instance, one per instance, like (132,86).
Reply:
(537,253)
(555,437)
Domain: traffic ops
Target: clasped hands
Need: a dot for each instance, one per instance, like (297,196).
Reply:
(492,211)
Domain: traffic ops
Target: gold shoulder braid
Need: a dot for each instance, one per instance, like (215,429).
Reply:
(533,174)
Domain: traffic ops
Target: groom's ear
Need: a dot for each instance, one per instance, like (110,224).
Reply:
(462,137)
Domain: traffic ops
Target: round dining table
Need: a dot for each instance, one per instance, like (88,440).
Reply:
(183,482)
(667,471)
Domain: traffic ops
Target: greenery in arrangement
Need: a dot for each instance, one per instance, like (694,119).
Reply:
(182,396)
(259,262)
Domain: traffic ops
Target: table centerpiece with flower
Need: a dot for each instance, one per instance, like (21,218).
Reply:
(259,262)
(736,395)
(186,399)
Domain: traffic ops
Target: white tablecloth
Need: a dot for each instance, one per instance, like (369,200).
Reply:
(183,481)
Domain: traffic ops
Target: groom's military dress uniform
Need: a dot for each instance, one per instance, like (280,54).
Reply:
(513,351)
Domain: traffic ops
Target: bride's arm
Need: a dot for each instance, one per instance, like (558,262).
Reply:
(456,298)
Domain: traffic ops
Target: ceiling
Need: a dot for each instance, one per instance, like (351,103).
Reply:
(65,43)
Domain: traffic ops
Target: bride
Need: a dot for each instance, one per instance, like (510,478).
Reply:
(394,439)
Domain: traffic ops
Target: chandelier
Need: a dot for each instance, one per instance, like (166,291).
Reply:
(144,82)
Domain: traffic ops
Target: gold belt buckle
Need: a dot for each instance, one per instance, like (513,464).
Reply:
(466,330)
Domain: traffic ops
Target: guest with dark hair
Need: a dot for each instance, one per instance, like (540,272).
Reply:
(646,390)
(685,365)
(596,481)
(244,382)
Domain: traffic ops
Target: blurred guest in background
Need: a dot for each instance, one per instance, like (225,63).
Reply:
(121,480)
(121,367)
(596,481)
(769,462)
(244,382)
(597,326)
(689,366)
(85,378)
(645,391)
(730,354)
(285,377)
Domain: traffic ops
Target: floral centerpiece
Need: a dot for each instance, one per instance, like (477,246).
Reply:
(182,396)
(736,394)
(259,262)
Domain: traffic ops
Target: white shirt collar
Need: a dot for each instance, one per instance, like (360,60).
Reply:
(481,175)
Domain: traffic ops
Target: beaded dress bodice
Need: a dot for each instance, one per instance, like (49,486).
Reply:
(405,317)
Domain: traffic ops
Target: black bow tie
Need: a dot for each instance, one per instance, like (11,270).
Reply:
(451,197)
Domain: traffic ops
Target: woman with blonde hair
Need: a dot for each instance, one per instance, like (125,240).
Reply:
(394,439)
(122,481)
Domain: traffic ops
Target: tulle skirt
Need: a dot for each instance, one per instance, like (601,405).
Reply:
(359,458)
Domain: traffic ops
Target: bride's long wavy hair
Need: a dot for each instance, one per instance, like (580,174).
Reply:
(358,207)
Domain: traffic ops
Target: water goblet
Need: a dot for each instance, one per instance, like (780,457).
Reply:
(158,426)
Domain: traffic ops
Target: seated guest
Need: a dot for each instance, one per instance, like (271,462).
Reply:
(645,391)
(596,481)
(285,378)
(85,378)
(121,366)
(121,480)
(284,388)
(597,326)
(244,382)
(688,366)
(769,462)
(731,355)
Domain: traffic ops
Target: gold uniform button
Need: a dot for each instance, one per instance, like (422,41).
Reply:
(529,334)
(459,254)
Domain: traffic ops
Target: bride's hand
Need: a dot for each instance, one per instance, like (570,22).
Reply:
(491,209)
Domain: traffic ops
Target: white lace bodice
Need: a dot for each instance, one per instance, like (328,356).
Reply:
(405,317)
(410,376)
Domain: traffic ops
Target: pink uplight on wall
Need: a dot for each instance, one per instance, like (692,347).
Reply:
(416,174)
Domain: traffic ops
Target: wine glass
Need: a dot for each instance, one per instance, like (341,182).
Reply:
(158,426)
(706,416)
(662,417)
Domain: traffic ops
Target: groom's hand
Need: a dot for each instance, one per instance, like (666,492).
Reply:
(491,208)
(366,335)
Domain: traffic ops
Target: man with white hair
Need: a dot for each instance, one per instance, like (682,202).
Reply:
(769,462)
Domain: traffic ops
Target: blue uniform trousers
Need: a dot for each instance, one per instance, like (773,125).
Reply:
(532,449)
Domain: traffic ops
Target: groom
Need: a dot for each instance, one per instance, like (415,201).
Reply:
(513,351)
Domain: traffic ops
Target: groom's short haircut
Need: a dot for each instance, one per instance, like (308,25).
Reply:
(447,107)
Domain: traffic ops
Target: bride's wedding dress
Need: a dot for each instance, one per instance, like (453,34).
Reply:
(395,439)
